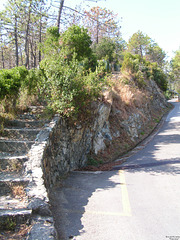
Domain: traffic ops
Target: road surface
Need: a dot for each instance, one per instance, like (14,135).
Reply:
(139,200)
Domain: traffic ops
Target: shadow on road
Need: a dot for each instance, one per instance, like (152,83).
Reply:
(160,156)
(69,200)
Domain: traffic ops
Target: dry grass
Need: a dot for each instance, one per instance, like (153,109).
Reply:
(18,192)
(126,96)
(25,100)
(19,234)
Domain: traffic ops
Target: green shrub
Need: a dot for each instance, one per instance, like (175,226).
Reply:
(69,88)
(159,77)
(142,70)
(11,80)
(131,63)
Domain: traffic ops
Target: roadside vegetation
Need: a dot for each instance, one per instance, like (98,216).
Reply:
(69,66)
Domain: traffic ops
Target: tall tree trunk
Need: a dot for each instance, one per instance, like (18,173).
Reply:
(97,33)
(2,55)
(40,38)
(21,56)
(35,56)
(27,37)
(16,42)
(59,14)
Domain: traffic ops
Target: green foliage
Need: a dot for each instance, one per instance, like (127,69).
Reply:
(8,224)
(143,45)
(11,81)
(142,70)
(93,162)
(131,63)
(175,65)
(155,54)
(69,88)
(76,40)
(111,51)
(104,49)
(168,94)
(138,43)
(159,77)
(51,44)
(68,79)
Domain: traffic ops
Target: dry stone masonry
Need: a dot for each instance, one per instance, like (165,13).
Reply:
(20,201)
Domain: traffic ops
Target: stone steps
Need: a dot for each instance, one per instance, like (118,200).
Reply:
(15,146)
(19,123)
(12,184)
(13,202)
(20,134)
(17,139)
(12,163)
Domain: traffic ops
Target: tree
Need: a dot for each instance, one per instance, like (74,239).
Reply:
(101,23)
(175,71)
(11,20)
(24,22)
(104,49)
(155,54)
(76,40)
(59,14)
(51,44)
(138,44)
(143,45)
(142,70)
(175,64)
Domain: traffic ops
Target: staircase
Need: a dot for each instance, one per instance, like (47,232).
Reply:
(15,142)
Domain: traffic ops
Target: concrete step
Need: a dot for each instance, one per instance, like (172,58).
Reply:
(15,146)
(18,123)
(18,202)
(12,163)
(28,116)
(11,184)
(20,134)
(9,218)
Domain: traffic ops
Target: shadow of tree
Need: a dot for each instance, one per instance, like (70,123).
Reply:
(69,200)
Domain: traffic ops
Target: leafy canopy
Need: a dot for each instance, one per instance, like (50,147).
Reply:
(76,40)
(143,45)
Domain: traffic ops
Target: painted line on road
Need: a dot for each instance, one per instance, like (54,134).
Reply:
(125,202)
(125,197)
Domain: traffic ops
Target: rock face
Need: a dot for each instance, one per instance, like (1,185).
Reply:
(110,133)
(68,146)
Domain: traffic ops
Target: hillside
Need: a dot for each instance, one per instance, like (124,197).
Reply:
(133,114)
(124,116)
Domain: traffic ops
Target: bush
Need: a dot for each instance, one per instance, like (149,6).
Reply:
(76,40)
(11,81)
(69,88)
(159,77)
(142,70)
(131,63)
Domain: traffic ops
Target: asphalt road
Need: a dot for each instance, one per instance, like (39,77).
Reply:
(139,200)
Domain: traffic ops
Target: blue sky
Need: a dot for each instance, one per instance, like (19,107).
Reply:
(159,19)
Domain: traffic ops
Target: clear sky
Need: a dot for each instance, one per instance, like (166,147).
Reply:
(159,19)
